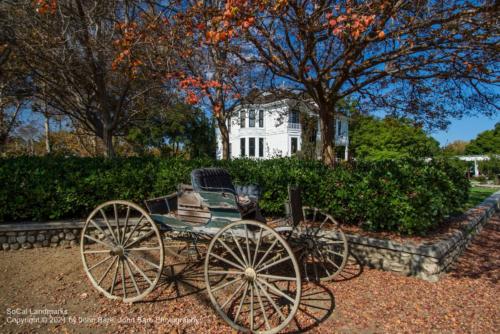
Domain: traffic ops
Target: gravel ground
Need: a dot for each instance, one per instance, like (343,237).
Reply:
(361,301)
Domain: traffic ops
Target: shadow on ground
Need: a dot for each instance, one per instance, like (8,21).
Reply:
(182,279)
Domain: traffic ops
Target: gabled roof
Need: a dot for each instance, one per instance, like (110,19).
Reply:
(298,100)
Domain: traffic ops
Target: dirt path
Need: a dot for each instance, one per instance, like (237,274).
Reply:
(364,301)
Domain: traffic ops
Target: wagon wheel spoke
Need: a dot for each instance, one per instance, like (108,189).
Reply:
(257,247)
(140,271)
(273,264)
(234,294)
(109,226)
(143,249)
(132,276)
(225,272)
(276,290)
(273,303)
(266,253)
(142,237)
(228,262)
(96,251)
(336,253)
(276,277)
(106,236)
(133,230)
(100,262)
(315,267)
(127,216)
(321,225)
(245,263)
(240,261)
(248,249)
(259,298)
(142,258)
(323,261)
(122,274)
(241,303)
(107,271)
(217,288)
(99,241)
(251,307)
(113,283)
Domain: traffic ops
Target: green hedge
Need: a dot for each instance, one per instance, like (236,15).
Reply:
(407,196)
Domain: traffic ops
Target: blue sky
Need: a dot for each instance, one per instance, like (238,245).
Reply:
(466,128)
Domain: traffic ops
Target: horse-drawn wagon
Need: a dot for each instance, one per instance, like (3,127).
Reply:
(253,269)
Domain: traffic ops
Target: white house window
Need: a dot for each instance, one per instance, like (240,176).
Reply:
(293,120)
(242,119)
(261,118)
(339,127)
(261,147)
(242,147)
(251,147)
(294,145)
(293,117)
(251,118)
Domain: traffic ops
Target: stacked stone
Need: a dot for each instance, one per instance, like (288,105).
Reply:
(13,240)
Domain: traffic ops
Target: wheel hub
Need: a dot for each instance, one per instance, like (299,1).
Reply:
(250,274)
(118,250)
(309,244)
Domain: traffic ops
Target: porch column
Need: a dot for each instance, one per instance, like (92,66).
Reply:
(476,168)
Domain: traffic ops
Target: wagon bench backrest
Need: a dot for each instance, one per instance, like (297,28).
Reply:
(212,179)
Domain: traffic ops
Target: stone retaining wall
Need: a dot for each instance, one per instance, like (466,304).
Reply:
(14,240)
(427,261)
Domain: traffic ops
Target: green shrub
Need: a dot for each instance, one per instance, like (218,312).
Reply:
(491,168)
(407,196)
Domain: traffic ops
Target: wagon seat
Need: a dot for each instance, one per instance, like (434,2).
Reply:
(219,180)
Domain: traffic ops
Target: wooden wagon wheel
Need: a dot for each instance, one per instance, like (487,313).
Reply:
(122,251)
(323,246)
(252,277)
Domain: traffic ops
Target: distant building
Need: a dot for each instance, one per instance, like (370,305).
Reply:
(271,128)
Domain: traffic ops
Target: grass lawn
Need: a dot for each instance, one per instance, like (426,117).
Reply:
(478,194)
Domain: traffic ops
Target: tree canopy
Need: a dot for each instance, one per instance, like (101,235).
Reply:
(174,130)
(101,62)
(373,138)
(487,142)
(456,147)
(424,60)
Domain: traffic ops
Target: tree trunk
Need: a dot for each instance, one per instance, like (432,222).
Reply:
(327,129)
(3,142)
(224,133)
(47,135)
(107,138)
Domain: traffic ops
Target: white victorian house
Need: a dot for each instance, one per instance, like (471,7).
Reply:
(272,128)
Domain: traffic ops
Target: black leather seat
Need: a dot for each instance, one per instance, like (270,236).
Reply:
(212,179)
(219,180)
